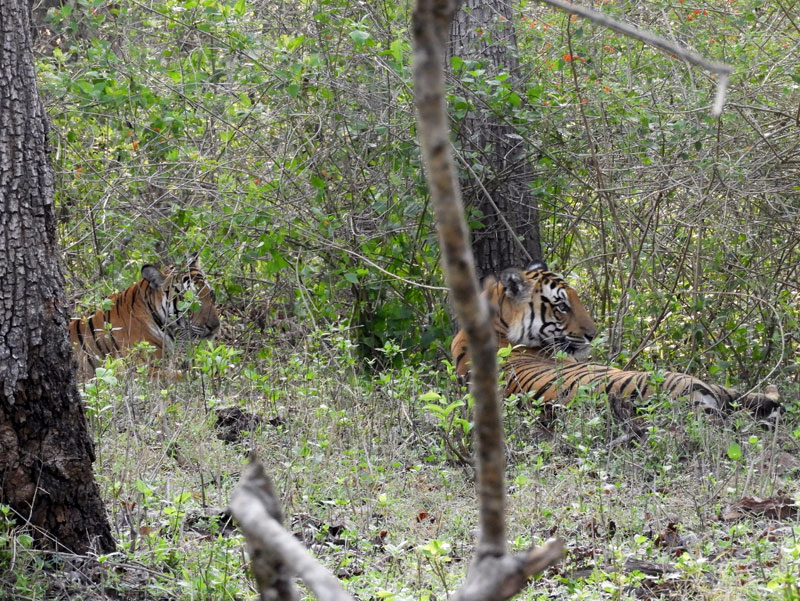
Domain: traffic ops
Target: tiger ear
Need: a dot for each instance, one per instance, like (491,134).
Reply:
(488,283)
(513,282)
(153,276)
(537,265)
(194,261)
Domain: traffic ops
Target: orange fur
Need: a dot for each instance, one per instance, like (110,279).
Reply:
(148,311)
(534,308)
(539,314)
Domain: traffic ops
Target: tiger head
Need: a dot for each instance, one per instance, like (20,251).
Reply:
(537,309)
(186,301)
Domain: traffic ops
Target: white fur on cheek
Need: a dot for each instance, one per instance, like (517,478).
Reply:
(582,354)
(521,332)
(515,333)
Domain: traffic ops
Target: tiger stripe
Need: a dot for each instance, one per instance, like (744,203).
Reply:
(541,317)
(148,311)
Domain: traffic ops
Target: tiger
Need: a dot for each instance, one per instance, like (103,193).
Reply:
(152,310)
(551,381)
(535,309)
(550,331)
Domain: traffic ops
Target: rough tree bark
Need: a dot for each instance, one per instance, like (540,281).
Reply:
(46,453)
(499,183)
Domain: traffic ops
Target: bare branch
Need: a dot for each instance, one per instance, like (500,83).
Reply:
(276,555)
(431,23)
(721,69)
(499,578)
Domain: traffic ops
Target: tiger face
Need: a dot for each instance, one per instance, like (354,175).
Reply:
(536,309)
(163,308)
(186,301)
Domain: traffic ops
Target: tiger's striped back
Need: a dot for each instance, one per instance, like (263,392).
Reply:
(539,315)
(153,310)
(551,382)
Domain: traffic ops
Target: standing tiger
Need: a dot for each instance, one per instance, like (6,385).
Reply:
(155,310)
(539,314)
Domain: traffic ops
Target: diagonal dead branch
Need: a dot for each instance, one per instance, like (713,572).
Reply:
(276,554)
(721,69)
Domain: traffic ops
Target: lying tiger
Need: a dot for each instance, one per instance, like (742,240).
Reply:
(154,310)
(539,315)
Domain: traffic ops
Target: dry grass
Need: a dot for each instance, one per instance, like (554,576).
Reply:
(367,482)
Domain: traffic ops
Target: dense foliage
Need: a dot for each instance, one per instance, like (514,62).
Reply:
(278,139)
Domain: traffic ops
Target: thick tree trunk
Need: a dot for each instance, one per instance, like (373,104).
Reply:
(46,453)
(499,184)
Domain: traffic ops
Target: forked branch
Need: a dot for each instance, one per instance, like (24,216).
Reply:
(276,556)
(431,26)
(722,70)
(493,573)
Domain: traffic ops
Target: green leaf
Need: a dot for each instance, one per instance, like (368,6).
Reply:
(460,103)
(359,36)
(295,42)
(238,8)
(463,424)
(182,498)
(436,548)
(453,405)
(430,396)
(396,48)
(105,375)
(143,488)
(734,451)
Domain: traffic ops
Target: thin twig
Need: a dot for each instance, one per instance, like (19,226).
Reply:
(721,69)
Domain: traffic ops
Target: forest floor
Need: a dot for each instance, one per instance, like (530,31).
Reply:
(703,509)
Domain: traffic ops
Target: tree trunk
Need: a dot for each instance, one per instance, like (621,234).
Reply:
(493,573)
(46,453)
(499,183)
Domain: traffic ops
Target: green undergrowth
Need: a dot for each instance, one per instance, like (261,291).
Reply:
(368,479)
